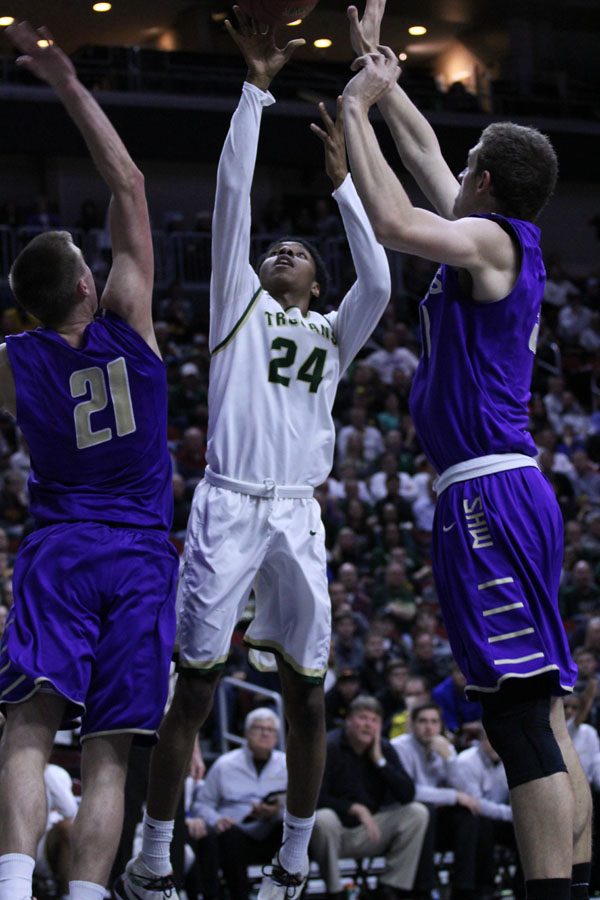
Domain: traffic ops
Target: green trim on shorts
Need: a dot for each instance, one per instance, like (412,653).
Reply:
(312,676)
(199,669)
(238,325)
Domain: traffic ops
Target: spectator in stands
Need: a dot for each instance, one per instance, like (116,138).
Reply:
(241,803)
(449,695)
(553,403)
(429,758)
(561,484)
(340,696)
(365,806)
(424,660)
(573,318)
(381,488)
(181,506)
(586,478)
(458,99)
(3,617)
(589,337)
(558,287)
(397,589)
(479,772)
(582,595)
(390,357)
(372,440)
(392,698)
(54,849)
(190,457)
(585,737)
(376,659)
(356,596)
(189,393)
(348,647)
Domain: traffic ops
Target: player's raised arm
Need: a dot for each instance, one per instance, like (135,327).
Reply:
(468,243)
(129,288)
(415,139)
(363,305)
(232,276)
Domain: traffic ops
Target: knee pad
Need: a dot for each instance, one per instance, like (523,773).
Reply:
(522,736)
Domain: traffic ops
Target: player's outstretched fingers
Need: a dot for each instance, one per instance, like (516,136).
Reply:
(291,47)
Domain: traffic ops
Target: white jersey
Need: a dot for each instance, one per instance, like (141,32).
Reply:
(274,373)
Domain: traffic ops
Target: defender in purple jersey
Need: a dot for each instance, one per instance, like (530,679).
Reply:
(90,635)
(497,543)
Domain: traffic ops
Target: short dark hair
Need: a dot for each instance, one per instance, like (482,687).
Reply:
(44,276)
(523,166)
(321,273)
(422,707)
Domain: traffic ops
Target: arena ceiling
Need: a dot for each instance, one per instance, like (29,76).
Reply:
(483,25)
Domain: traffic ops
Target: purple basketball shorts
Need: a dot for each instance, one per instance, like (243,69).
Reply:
(94,620)
(497,554)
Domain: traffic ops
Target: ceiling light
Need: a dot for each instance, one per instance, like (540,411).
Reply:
(417,30)
(218,16)
(403,57)
(102,7)
(6,20)
(295,22)
(44,43)
(322,43)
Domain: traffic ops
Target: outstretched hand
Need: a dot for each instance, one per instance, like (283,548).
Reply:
(365,33)
(257,43)
(377,73)
(40,54)
(332,136)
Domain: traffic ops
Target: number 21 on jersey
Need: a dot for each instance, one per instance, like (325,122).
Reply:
(92,383)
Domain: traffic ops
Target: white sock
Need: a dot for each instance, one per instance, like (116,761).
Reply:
(156,844)
(294,847)
(16,870)
(85,890)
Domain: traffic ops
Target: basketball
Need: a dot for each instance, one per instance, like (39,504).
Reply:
(277,12)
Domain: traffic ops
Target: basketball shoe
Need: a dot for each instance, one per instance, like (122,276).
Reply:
(138,883)
(279,884)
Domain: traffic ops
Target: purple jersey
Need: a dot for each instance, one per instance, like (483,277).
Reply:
(470,392)
(95,420)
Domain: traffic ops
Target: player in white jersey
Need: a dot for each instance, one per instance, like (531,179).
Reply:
(274,371)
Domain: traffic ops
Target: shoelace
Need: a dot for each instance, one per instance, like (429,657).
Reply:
(164,883)
(289,880)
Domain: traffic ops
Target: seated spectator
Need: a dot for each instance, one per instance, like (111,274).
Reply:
(382,489)
(376,659)
(372,440)
(561,484)
(3,618)
(392,699)
(340,696)
(585,737)
(348,647)
(365,807)
(241,804)
(391,357)
(582,595)
(429,757)
(54,849)
(573,318)
(190,457)
(397,589)
(187,394)
(478,772)
(585,478)
(348,547)
(426,662)
(181,505)
(449,695)
(356,596)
